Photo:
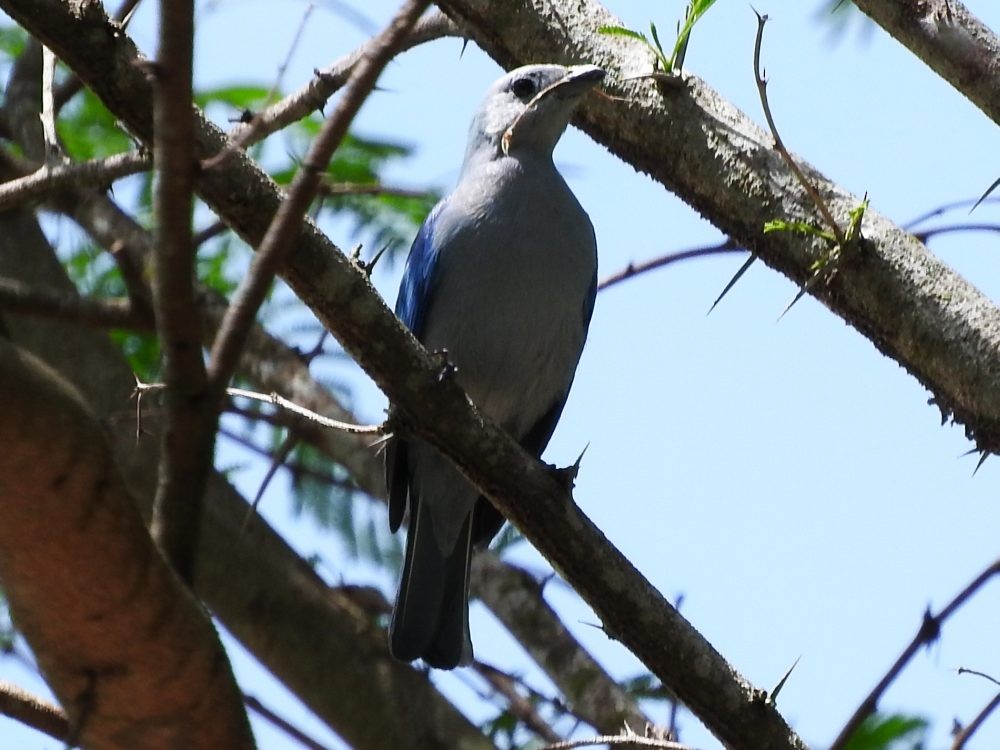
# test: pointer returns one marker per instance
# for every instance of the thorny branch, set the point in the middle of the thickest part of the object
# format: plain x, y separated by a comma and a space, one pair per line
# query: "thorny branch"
928, 632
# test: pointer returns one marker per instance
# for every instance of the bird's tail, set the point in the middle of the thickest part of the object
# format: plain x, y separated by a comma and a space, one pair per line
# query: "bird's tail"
431, 618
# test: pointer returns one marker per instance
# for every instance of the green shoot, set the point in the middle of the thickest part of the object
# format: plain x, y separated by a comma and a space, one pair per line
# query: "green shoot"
672, 64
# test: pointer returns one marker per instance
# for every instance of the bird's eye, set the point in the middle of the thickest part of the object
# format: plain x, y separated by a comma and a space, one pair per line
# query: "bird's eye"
523, 88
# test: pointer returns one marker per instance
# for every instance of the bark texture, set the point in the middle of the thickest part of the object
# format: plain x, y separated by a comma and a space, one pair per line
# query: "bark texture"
134, 660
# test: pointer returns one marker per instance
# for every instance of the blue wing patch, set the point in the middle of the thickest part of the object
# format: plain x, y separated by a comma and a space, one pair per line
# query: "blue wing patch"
419, 275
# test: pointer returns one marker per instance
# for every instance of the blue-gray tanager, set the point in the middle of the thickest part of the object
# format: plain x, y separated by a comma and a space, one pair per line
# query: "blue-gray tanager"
502, 275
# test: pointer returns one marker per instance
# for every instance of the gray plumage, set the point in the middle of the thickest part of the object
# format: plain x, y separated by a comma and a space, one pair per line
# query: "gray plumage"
502, 275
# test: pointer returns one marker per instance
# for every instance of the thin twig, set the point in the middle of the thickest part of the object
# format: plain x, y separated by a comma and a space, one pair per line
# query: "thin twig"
280, 401
977, 673
281, 723
295, 468
930, 629
279, 237
517, 704
354, 188
32, 711
779, 144
634, 269
973, 726
627, 739
278, 459
314, 95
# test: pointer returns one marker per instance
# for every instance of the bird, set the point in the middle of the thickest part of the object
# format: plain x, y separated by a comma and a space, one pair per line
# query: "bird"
502, 276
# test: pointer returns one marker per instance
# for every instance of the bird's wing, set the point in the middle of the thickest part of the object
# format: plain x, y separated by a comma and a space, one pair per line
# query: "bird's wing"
420, 275
411, 307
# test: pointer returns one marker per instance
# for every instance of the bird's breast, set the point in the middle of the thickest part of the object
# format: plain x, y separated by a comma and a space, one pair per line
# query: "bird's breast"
509, 302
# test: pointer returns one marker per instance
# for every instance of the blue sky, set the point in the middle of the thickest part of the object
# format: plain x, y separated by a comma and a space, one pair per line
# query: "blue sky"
785, 477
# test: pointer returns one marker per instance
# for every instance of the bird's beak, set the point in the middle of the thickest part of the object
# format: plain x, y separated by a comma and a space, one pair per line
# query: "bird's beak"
578, 80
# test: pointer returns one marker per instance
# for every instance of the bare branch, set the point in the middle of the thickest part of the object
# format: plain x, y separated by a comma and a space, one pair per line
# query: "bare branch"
963, 737
285, 226
284, 403
635, 269
283, 724
16, 296
950, 40
32, 711
517, 704
628, 739
314, 95
96, 173
761, 81
928, 632
515, 598
191, 407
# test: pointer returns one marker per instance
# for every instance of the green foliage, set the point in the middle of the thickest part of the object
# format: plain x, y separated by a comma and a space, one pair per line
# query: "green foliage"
323, 490
798, 227
12, 42
240, 97
390, 218
672, 64
889, 732
88, 130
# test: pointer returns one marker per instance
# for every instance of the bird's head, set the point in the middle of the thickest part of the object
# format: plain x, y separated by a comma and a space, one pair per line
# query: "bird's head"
530, 107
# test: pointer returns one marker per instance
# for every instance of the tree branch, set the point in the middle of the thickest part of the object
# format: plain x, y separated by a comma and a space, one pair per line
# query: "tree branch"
315, 94
48, 179
278, 240
515, 598
134, 657
32, 711
950, 40
927, 633
16, 296
192, 408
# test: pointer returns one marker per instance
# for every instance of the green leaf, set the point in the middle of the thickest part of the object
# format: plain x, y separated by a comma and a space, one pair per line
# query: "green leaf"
12, 41
622, 31
89, 130
237, 96
798, 227
695, 11
889, 732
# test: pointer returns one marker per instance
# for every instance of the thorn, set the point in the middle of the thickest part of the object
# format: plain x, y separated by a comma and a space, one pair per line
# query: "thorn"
370, 266
985, 195
800, 295
732, 282
781, 682
447, 368
982, 460
566, 476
